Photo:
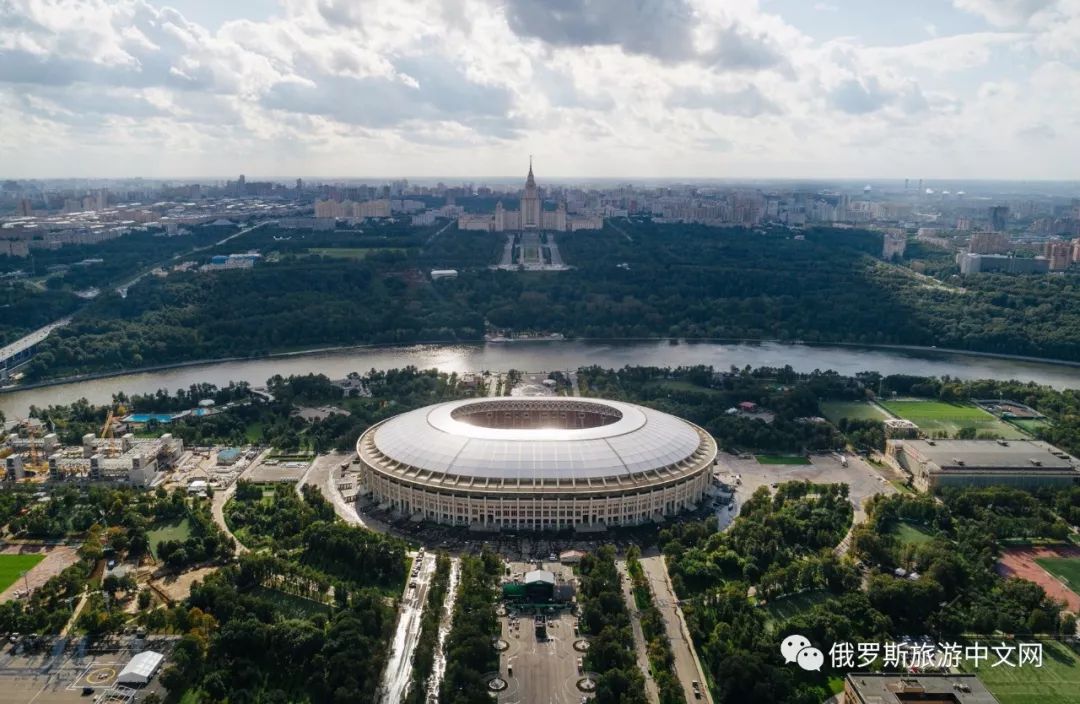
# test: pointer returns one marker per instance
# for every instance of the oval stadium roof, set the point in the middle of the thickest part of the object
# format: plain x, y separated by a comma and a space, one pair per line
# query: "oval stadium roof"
434, 438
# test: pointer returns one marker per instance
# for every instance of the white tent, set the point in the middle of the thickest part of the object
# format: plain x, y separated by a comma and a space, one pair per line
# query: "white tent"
140, 668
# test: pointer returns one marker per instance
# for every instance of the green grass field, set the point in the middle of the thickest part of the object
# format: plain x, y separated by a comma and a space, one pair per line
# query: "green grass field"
681, 385
12, 567
177, 530
350, 252
292, 606
1031, 425
1066, 569
854, 410
781, 610
1056, 682
936, 416
781, 459
910, 534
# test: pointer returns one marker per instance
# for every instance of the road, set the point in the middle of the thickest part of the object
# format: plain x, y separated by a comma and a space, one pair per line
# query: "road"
439, 232
122, 289
556, 256
83, 598
639, 636
687, 666
544, 671
398, 671
324, 474
222, 496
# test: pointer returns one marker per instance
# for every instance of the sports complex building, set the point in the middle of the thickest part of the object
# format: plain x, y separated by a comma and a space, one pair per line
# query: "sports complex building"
536, 464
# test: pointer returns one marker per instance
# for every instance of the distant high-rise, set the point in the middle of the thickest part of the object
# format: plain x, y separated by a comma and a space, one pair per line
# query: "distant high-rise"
989, 243
1059, 254
299, 184
999, 218
25, 209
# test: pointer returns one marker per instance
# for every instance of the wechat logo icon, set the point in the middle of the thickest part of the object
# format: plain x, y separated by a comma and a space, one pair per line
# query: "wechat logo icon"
797, 649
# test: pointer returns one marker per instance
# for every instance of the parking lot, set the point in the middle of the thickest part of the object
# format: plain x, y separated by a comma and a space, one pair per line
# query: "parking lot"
540, 670
61, 671
746, 475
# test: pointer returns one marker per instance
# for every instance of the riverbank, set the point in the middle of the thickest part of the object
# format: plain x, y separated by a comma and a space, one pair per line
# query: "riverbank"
337, 362
315, 351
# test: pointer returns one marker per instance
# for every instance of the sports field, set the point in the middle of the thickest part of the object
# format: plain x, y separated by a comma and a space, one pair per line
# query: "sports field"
12, 567
160, 532
937, 416
1028, 563
910, 534
782, 609
1056, 682
853, 410
1067, 569
781, 459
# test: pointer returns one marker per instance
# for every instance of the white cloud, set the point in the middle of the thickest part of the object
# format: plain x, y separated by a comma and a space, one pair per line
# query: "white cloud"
594, 87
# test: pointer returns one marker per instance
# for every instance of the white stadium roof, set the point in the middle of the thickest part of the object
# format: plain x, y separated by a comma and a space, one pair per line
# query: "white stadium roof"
433, 439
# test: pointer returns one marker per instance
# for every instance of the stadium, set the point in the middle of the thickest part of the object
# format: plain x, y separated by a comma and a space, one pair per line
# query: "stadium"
536, 464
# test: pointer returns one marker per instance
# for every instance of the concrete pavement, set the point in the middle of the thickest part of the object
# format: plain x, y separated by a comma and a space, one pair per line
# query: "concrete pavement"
687, 666
398, 673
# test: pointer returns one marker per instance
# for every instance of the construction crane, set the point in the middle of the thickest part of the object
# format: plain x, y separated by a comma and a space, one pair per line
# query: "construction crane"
34, 460
115, 414
107, 429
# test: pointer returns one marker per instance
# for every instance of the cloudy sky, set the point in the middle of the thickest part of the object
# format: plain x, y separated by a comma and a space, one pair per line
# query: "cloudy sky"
592, 88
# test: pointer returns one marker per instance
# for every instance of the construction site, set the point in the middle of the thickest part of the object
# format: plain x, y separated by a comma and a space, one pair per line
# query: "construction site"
30, 454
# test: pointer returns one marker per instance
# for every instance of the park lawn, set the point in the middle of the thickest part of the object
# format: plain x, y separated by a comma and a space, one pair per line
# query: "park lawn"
780, 610
1056, 682
852, 410
253, 433
1066, 569
291, 605
782, 459
910, 534
683, 385
12, 567
350, 252
937, 416
160, 532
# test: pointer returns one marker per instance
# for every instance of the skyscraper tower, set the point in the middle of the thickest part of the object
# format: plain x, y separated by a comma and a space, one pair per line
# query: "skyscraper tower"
530, 203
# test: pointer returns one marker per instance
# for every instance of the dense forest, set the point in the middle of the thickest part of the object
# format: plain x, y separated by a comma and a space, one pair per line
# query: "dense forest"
781, 545
632, 279
469, 655
23, 309
606, 620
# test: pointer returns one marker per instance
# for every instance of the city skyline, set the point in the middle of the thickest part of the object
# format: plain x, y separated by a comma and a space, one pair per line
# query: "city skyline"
776, 89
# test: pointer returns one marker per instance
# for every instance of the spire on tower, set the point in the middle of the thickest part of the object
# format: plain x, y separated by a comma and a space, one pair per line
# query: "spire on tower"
530, 180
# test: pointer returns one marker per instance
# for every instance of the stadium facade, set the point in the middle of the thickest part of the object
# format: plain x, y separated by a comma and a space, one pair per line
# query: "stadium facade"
536, 464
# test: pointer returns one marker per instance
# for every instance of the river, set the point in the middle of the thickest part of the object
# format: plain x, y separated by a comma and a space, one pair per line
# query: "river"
550, 356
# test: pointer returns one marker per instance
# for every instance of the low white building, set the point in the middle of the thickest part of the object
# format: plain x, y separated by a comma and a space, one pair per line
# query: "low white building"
141, 668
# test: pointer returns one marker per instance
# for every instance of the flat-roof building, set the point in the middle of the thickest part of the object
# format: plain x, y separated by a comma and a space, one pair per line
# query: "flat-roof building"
877, 688
1020, 463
